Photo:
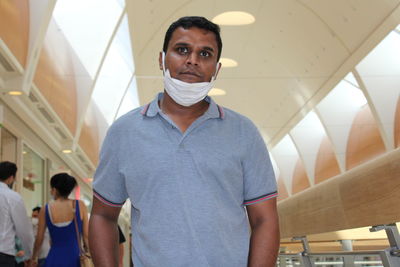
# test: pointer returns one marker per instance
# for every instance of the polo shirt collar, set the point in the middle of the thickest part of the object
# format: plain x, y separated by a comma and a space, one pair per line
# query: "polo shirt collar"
213, 111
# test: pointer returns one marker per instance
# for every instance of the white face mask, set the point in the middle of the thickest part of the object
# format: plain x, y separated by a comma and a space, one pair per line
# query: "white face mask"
183, 93
35, 221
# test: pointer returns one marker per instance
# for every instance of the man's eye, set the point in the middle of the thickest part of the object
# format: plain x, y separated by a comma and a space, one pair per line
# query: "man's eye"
182, 50
205, 54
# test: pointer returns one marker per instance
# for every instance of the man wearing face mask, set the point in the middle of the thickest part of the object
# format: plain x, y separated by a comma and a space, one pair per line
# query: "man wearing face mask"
190, 167
13, 218
44, 250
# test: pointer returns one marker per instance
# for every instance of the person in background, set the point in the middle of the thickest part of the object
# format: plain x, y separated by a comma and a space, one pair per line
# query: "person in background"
14, 221
44, 250
19, 253
122, 240
59, 217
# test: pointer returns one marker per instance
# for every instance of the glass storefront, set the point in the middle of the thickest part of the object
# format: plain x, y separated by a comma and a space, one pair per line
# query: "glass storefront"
8, 146
33, 178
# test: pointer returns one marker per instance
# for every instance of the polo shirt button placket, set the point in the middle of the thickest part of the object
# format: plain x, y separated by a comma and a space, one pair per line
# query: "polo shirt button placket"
181, 146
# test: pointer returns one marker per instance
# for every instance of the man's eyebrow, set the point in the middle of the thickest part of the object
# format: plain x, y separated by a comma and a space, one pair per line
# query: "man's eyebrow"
181, 44
208, 48
186, 44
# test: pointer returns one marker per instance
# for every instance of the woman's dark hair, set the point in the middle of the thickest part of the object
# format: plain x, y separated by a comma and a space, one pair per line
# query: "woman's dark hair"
193, 21
64, 183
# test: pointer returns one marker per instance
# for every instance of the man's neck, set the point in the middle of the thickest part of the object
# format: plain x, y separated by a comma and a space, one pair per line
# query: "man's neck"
7, 181
182, 116
170, 107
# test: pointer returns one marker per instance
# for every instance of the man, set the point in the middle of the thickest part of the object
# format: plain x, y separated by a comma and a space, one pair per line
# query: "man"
44, 250
13, 220
189, 167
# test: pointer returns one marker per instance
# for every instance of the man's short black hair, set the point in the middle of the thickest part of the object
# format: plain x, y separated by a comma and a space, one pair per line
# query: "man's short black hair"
194, 21
36, 209
7, 169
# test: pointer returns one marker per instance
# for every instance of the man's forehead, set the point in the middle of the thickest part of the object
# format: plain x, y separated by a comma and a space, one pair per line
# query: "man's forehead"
181, 33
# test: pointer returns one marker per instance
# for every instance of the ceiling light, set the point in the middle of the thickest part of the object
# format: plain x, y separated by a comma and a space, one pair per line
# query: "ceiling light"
216, 92
228, 63
15, 93
233, 18
67, 151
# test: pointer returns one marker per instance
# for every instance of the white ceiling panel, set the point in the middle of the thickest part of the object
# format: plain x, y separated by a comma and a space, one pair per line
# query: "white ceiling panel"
286, 156
285, 57
380, 73
307, 135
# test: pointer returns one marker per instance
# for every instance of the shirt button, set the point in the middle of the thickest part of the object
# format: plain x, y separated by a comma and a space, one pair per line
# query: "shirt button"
181, 146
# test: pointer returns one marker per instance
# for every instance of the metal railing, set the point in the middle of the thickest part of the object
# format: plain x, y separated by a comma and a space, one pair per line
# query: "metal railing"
389, 257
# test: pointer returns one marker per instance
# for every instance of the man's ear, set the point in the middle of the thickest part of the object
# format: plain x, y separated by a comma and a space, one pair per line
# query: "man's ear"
160, 60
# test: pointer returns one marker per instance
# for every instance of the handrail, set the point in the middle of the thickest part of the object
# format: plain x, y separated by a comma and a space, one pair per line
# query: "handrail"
363, 196
335, 253
389, 257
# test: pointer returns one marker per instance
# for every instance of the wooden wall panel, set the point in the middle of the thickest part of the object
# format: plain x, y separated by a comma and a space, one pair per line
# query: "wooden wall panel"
282, 192
55, 77
326, 165
397, 125
14, 27
365, 141
366, 195
300, 179
89, 142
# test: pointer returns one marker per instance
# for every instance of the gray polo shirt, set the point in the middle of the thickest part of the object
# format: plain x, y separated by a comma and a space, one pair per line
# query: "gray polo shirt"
188, 190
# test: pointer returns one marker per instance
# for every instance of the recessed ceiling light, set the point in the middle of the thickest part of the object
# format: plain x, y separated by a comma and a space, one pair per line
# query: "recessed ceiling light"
228, 63
233, 18
15, 93
67, 151
216, 92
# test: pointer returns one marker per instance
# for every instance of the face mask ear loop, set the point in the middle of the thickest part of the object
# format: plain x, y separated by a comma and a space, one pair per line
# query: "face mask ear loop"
214, 77
163, 61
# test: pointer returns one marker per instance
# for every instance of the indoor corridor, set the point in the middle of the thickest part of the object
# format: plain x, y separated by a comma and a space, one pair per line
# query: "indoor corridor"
320, 80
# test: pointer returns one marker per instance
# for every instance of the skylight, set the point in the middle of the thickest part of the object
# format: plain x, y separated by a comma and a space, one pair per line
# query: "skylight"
88, 26
112, 82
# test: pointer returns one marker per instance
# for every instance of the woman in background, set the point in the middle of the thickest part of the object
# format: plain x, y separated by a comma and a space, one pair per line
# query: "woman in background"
58, 217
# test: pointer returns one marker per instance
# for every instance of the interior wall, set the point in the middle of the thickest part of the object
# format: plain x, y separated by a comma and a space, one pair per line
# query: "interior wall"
14, 27
25, 134
282, 192
89, 142
397, 125
300, 178
326, 165
365, 141
55, 76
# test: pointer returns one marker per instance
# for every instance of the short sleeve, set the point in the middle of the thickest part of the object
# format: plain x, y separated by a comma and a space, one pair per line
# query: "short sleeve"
109, 183
259, 177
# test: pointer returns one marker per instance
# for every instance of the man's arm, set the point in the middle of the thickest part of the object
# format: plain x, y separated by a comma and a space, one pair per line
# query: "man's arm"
23, 226
103, 234
265, 239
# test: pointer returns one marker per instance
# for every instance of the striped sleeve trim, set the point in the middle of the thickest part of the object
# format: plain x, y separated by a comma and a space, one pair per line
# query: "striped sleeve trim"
261, 198
106, 201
